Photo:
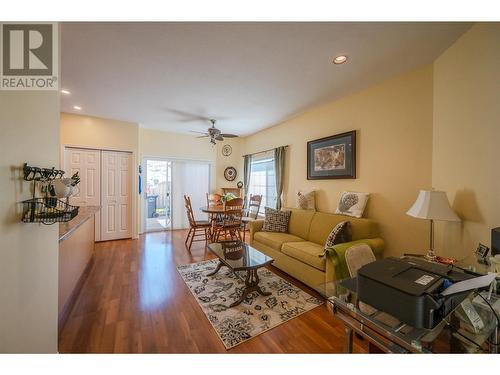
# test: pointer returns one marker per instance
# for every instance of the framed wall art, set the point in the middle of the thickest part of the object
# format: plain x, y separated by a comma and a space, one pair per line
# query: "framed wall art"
332, 157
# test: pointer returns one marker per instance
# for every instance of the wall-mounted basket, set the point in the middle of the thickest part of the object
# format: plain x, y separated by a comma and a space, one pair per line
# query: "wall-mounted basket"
48, 210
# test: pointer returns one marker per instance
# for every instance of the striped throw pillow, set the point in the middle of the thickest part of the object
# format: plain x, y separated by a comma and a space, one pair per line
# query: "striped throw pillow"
340, 233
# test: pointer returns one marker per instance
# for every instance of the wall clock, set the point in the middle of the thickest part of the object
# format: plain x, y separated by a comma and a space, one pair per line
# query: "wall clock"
227, 150
230, 173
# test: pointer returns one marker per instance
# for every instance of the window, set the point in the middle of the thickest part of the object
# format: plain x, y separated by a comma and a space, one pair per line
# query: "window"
263, 179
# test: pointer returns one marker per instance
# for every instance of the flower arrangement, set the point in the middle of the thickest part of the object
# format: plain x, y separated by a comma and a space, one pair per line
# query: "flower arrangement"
227, 197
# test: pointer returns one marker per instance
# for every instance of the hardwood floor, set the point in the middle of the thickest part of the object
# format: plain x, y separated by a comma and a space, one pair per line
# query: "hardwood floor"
134, 301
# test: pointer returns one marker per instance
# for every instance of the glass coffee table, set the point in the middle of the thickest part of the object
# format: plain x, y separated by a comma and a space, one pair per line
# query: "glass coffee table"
386, 333
240, 257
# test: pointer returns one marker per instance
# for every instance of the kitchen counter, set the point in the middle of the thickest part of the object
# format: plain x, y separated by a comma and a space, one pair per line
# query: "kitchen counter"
76, 252
84, 213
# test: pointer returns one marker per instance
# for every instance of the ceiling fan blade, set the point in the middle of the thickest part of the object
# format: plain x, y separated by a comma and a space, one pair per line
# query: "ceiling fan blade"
229, 135
219, 137
187, 116
194, 131
202, 136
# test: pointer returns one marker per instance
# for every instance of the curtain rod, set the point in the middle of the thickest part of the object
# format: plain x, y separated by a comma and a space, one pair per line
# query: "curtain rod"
261, 152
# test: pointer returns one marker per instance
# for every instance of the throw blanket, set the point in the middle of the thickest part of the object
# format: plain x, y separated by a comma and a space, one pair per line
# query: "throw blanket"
337, 254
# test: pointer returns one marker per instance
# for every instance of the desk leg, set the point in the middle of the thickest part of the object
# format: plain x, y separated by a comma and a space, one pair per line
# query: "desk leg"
494, 339
349, 337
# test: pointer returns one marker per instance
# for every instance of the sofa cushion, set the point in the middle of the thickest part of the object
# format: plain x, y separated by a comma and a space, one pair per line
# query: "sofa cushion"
307, 252
299, 222
323, 223
275, 239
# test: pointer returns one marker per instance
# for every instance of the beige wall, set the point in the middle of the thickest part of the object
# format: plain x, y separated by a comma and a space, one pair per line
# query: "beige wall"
156, 143
466, 138
29, 123
394, 157
234, 160
88, 131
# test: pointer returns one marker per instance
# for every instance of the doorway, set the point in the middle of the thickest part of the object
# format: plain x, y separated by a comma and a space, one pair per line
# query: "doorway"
165, 183
158, 195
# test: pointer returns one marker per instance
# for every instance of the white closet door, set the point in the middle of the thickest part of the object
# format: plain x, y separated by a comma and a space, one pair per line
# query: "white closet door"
116, 199
88, 165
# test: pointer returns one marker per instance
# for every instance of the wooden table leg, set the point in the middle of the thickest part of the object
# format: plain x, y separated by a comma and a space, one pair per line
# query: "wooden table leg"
212, 218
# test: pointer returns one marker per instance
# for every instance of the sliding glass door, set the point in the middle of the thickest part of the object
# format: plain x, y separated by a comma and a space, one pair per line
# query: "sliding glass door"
190, 178
166, 183
158, 195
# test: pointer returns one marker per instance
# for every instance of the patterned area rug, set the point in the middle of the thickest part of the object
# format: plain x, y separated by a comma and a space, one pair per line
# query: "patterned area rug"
256, 314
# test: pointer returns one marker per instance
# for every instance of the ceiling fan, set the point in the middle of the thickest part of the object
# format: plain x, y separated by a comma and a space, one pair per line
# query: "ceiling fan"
214, 133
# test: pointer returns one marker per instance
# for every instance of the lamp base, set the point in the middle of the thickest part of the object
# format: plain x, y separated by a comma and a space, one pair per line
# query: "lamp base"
430, 255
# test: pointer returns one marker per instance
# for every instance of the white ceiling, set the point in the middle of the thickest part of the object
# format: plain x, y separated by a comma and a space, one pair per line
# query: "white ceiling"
249, 76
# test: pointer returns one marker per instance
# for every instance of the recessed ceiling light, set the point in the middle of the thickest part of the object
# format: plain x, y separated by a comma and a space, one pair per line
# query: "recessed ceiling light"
65, 92
78, 108
340, 59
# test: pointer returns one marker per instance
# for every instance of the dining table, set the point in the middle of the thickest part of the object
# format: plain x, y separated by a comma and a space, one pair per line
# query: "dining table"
214, 211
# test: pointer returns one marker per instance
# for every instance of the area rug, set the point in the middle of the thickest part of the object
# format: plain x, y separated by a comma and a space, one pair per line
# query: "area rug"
256, 314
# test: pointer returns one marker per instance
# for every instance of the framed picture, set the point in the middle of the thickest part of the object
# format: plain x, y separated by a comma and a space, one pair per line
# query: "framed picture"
332, 157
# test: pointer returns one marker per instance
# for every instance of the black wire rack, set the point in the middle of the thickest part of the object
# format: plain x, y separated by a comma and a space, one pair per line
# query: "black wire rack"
46, 210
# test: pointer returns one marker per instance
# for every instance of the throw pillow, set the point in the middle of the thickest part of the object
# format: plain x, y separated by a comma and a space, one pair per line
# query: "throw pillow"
340, 233
352, 204
306, 201
276, 220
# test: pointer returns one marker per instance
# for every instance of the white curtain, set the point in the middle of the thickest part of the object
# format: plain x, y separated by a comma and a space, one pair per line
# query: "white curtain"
189, 178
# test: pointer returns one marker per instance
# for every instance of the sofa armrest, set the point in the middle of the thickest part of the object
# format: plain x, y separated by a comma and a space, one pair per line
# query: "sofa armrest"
336, 267
254, 227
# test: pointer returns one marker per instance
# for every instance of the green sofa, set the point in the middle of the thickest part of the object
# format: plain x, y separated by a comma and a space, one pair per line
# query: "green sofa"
298, 252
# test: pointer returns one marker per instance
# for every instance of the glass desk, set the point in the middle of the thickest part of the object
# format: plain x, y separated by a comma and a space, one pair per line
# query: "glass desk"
453, 335
471, 264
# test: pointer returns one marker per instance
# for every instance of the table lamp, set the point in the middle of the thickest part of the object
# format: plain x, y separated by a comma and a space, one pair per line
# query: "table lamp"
432, 205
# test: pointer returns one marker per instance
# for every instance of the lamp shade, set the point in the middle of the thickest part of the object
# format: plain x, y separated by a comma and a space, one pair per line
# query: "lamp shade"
432, 204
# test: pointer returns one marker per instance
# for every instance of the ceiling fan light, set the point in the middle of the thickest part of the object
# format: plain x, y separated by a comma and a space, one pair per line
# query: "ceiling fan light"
340, 59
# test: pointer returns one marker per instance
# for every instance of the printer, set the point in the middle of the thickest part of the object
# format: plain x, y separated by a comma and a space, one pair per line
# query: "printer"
410, 289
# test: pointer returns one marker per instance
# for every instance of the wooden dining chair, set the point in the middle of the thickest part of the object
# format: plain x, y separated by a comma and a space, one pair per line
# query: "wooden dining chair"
251, 213
214, 199
198, 228
230, 223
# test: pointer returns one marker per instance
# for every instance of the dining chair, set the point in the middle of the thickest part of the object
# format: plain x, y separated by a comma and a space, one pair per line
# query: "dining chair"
230, 222
251, 213
356, 257
197, 228
214, 199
